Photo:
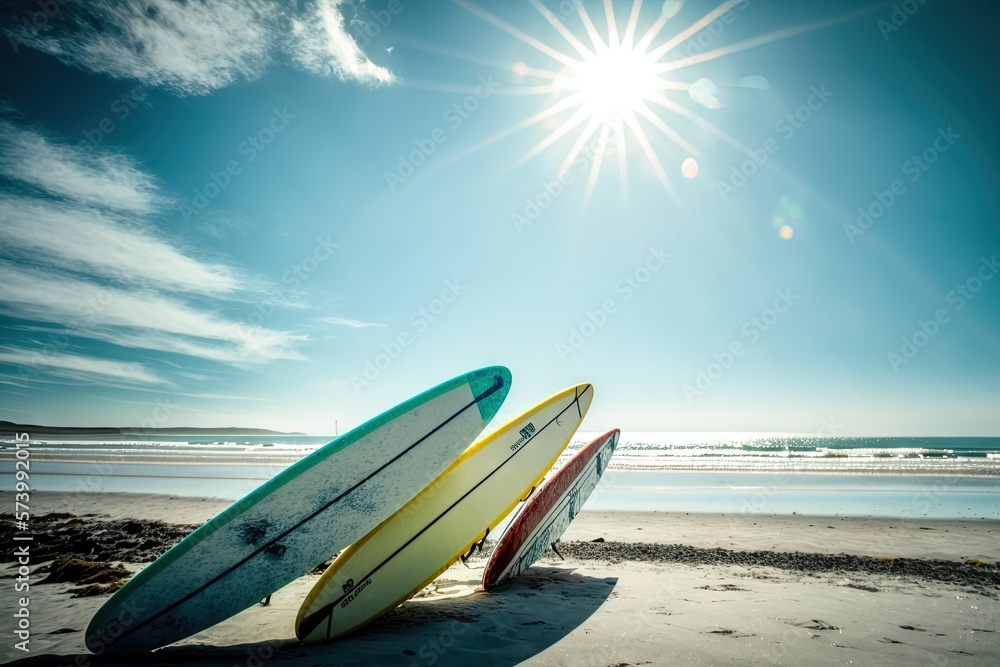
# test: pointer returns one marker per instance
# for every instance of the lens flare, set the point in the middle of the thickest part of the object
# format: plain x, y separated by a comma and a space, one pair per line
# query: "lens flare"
689, 168
755, 81
705, 92
670, 8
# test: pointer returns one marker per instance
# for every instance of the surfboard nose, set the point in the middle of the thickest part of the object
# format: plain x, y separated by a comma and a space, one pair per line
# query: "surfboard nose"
584, 397
490, 386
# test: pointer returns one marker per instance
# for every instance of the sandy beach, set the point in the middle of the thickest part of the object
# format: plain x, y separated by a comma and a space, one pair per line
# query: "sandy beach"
633, 589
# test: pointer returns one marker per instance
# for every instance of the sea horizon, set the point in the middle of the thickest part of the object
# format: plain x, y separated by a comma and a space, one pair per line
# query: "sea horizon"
705, 471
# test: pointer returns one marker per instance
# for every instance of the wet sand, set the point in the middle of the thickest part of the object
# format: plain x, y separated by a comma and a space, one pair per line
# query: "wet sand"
634, 588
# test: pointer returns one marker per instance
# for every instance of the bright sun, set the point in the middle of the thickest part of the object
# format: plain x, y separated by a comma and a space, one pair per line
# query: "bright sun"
614, 83
616, 91
609, 89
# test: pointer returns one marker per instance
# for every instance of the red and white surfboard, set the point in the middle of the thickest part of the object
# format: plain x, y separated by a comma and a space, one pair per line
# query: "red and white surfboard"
548, 512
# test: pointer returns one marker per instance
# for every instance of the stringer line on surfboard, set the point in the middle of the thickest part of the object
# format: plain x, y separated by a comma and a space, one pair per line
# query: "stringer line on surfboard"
324, 613
496, 386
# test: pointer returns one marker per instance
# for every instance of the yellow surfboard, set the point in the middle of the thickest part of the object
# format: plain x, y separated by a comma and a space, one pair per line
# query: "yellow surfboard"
412, 547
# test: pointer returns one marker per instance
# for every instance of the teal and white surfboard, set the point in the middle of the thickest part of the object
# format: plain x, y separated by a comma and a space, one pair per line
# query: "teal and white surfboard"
300, 518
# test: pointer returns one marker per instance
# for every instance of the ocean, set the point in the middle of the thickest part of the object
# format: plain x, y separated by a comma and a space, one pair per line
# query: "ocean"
738, 473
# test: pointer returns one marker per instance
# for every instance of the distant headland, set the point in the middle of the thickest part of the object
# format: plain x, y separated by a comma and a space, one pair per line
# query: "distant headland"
8, 429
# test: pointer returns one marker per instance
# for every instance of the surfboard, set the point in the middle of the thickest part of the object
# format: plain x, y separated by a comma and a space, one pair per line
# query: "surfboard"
299, 518
547, 514
420, 541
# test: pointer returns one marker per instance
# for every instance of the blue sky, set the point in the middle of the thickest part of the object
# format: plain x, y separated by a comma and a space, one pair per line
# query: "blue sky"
250, 215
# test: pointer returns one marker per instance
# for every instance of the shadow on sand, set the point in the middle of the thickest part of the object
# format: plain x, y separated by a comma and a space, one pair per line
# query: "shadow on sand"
504, 627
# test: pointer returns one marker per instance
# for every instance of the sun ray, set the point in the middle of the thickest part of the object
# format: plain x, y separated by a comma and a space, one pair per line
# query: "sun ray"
439, 87
735, 143
456, 54
693, 29
667, 84
615, 88
511, 30
553, 110
580, 47
651, 34
701, 121
578, 146
644, 144
541, 73
622, 161
438, 49
670, 132
633, 21
595, 166
580, 116
760, 41
609, 14
588, 25
540, 89
739, 146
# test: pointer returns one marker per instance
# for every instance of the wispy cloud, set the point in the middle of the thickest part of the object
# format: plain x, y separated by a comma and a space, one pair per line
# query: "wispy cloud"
92, 177
138, 319
80, 367
86, 209
220, 226
256, 347
348, 322
322, 45
86, 239
79, 251
193, 48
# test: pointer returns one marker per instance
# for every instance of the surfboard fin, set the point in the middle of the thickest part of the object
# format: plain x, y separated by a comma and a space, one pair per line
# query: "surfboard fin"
553, 545
476, 546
